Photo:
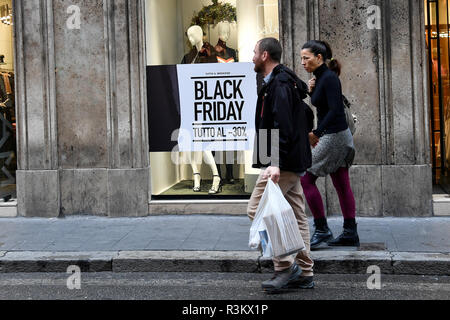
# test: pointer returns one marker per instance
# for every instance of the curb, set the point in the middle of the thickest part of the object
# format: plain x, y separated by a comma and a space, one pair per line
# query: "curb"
326, 262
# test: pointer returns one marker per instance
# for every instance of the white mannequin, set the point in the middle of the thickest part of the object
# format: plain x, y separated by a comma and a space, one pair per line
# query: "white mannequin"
196, 162
195, 35
225, 54
224, 31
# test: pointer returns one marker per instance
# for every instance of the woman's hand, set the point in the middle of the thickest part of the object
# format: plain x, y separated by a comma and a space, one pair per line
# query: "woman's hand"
313, 139
312, 85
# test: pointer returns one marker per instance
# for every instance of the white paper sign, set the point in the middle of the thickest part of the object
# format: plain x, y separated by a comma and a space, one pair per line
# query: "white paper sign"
218, 103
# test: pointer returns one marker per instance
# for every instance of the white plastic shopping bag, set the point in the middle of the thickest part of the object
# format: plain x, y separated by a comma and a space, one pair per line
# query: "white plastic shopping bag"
275, 227
258, 232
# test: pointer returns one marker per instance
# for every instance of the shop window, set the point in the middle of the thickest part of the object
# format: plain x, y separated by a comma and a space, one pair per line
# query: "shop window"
8, 162
437, 21
225, 32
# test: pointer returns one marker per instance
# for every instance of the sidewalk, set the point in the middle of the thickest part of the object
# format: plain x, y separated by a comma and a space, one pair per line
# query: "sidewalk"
211, 244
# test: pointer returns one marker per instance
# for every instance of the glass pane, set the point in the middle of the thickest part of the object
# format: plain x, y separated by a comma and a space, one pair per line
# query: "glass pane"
229, 32
435, 89
251, 20
445, 79
433, 22
437, 150
8, 150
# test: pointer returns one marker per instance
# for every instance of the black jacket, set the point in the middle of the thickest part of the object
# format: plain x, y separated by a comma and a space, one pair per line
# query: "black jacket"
280, 106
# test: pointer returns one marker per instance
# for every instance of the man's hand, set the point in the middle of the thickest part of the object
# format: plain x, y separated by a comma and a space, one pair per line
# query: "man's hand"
272, 173
313, 139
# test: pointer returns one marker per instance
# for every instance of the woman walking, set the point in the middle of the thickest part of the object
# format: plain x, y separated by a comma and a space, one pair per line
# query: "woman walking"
333, 148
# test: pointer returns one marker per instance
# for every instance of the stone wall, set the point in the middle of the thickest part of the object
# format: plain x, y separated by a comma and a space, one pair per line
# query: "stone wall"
81, 103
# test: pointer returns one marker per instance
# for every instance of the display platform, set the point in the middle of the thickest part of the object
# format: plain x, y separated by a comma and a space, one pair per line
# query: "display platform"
183, 190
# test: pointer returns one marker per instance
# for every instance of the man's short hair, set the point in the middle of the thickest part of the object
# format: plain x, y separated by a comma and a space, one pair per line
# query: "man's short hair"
273, 48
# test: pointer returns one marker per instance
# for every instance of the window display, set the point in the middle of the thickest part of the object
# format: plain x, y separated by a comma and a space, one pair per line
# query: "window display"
201, 32
437, 17
200, 52
8, 162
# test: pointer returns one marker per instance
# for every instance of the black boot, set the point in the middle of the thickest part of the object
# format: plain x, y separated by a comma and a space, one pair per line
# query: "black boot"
349, 238
321, 234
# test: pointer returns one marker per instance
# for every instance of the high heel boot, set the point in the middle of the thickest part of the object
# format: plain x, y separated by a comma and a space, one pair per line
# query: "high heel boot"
349, 238
321, 234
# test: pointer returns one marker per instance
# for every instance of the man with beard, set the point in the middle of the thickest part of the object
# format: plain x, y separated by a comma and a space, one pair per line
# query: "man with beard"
283, 116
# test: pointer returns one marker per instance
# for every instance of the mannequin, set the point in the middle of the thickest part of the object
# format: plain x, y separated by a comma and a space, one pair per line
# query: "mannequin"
196, 162
225, 54
202, 53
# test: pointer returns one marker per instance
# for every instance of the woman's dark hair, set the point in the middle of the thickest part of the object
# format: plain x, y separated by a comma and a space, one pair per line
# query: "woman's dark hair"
324, 49
335, 66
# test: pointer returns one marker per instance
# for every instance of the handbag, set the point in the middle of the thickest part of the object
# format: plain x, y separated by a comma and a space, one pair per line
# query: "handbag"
350, 117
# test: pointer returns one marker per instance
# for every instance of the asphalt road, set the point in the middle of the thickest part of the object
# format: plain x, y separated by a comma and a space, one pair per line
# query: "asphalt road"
212, 286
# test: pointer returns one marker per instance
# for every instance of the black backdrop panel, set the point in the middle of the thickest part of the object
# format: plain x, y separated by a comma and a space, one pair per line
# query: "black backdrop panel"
163, 107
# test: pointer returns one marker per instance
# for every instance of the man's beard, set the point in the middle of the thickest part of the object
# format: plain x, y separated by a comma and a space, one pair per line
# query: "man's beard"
258, 68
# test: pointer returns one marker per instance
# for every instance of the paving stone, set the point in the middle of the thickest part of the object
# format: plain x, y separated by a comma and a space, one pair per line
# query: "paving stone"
199, 244
164, 245
233, 244
100, 246
32, 246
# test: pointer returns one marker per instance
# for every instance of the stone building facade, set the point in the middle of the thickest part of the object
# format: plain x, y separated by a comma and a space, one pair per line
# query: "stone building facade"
83, 147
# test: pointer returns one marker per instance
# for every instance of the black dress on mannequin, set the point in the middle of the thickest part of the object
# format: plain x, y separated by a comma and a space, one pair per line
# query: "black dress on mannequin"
225, 53
206, 55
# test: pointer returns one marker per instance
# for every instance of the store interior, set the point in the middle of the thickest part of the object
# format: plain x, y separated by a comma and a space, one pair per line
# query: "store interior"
437, 21
234, 35
8, 149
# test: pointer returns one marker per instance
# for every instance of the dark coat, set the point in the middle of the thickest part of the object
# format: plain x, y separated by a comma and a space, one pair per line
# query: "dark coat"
327, 98
280, 106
